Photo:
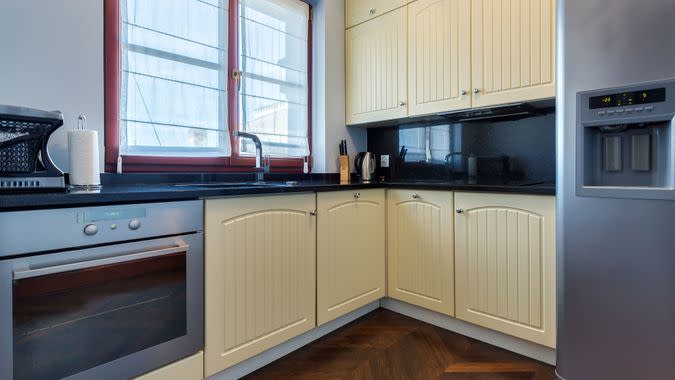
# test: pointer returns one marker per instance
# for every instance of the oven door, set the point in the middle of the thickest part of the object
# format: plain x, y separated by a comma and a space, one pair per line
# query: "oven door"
111, 312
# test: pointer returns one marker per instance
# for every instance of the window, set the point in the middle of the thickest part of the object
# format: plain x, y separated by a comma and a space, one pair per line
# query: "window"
181, 75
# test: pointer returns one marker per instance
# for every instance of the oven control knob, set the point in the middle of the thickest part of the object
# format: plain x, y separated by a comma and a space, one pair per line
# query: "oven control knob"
134, 224
90, 229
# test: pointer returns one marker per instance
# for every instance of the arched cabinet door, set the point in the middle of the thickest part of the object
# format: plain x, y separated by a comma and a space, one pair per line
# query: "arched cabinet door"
260, 273
420, 248
350, 251
505, 263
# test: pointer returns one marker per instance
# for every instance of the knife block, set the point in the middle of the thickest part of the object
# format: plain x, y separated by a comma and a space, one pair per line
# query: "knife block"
344, 169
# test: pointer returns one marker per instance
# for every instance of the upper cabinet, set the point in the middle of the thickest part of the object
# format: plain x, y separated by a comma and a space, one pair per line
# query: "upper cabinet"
358, 11
376, 69
439, 56
435, 56
513, 45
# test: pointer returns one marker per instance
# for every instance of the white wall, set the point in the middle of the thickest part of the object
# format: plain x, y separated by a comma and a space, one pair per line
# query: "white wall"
51, 57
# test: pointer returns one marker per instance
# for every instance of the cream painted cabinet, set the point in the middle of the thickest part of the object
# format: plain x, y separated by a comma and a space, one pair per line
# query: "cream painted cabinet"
376, 69
190, 368
439, 56
513, 47
350, 251
358, 11
260, 275
420, 249
505, 263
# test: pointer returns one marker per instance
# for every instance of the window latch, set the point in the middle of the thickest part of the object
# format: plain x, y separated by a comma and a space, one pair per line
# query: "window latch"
237, 75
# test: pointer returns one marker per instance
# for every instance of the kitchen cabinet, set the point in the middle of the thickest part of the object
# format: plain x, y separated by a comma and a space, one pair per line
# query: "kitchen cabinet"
350, 251
513, 48
439, 56
376, 69
358, 11
420, 248
260, 273
505, 263
190, 368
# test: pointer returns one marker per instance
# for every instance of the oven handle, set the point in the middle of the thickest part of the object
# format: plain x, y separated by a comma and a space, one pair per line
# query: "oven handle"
29, 273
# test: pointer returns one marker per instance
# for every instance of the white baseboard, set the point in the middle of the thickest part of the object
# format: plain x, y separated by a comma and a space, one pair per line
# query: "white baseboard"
244, 368
507, 342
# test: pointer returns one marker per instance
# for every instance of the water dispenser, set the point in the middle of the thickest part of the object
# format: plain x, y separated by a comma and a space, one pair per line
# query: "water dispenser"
626, 142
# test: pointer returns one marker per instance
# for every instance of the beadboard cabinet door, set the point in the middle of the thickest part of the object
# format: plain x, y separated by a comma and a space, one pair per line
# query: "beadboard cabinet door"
505, 263
358, 11
350, 251
376, 69
439, 56
260, 268
420, 250
513, 50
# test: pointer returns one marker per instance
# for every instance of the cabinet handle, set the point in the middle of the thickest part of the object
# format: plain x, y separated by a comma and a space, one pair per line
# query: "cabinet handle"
313, 213
476, 90
463, 92
401, 103
357, 195
416, 196
459, 210
372, 11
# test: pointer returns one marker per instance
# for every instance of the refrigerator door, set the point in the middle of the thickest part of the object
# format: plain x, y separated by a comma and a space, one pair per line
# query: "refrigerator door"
616, 307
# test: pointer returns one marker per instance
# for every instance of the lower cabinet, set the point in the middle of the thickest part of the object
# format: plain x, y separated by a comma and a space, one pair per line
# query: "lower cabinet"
350, 251
420, 250
505, 263
260, 275
190, 368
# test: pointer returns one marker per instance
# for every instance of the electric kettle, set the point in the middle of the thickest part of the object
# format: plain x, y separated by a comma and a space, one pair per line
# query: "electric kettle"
364, 162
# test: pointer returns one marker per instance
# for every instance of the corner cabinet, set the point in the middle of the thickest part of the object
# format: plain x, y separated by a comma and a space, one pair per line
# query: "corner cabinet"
439, 56
260, 273
376, 69
350, 251
505, 263
420, 249
513, 46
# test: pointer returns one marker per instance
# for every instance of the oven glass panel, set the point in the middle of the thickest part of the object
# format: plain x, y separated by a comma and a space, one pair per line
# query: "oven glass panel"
69, 322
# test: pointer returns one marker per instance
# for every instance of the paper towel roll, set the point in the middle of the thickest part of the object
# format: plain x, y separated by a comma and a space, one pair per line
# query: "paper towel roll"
83, 158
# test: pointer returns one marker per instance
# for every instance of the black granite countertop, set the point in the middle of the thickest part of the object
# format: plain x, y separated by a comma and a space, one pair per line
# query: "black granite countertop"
121, 192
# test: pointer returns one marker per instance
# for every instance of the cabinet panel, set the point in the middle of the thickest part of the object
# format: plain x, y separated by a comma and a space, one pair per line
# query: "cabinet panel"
505, 256
513, 50
439, 64
358, 11
420, 249
376, 69
190, 368
260, 275
350, 251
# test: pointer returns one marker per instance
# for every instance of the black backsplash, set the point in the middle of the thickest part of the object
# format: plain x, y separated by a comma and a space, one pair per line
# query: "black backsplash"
513, 150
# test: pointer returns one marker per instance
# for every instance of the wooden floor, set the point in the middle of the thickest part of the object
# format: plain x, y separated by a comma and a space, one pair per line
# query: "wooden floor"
384, 345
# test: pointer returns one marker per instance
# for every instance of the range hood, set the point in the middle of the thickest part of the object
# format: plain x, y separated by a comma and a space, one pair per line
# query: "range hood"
513, 111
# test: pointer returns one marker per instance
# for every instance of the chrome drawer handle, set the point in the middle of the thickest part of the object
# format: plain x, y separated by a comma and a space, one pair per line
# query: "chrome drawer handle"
459, 210
416, 196
357, 195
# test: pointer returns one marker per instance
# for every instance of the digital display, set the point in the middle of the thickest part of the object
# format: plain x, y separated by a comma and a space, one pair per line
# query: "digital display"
623, 99
99, 215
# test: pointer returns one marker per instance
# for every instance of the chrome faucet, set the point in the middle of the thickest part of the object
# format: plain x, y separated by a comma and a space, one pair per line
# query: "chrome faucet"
262, 163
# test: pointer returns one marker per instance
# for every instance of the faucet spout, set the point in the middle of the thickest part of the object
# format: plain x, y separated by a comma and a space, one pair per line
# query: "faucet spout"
260, 174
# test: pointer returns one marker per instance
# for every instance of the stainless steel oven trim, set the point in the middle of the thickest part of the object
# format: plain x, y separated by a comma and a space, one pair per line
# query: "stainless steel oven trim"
145, 360
29, 273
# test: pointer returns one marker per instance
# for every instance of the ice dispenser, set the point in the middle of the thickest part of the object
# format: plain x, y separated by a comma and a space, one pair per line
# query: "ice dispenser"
626, 142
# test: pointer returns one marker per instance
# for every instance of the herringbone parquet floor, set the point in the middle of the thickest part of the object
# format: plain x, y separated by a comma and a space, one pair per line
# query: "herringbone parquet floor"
384, 345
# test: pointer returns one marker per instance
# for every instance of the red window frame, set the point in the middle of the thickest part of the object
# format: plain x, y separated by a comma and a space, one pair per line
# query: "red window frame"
234, 163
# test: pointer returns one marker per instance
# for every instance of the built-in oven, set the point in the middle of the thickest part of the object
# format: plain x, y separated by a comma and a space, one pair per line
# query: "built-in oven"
106, 292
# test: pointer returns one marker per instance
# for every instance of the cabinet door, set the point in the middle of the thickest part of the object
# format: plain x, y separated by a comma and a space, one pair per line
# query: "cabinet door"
358, 11
260, 275
420, 250
439, 64
513, 50
350, 251
505, 256
376, 69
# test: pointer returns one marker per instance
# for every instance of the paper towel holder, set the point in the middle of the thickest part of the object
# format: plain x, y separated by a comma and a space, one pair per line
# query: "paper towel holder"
82, 126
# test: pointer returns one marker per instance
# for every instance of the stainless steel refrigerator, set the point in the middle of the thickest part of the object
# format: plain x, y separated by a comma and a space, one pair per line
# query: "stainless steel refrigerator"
616, 193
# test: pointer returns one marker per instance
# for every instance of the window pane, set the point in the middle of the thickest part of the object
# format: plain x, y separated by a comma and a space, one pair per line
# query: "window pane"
174, 78
274, 89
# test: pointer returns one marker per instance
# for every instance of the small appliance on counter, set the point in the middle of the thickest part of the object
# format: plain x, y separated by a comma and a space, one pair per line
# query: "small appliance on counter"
364, 162
24, 159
